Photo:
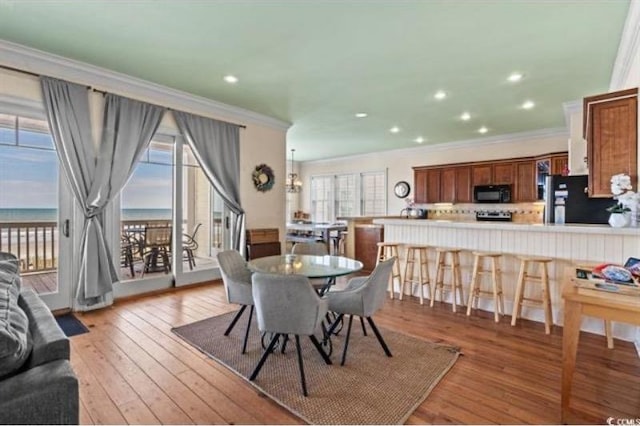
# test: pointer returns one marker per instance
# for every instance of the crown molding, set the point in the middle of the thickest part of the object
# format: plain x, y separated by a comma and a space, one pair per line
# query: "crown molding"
475, 143
569, 108
38, 62
628, 49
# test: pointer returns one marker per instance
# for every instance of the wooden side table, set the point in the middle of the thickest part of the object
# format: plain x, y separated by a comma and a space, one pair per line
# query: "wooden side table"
600, 304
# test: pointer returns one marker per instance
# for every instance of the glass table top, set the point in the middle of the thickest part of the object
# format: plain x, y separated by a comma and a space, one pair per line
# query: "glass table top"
309, 266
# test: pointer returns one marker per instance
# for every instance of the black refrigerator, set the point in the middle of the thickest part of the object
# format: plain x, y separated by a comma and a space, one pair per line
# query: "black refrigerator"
567, 201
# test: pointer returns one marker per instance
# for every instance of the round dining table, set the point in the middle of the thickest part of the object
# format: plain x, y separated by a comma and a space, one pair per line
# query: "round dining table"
328, 267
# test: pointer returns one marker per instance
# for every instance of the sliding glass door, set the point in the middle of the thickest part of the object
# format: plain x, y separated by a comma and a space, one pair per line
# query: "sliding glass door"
172, 223
35, 208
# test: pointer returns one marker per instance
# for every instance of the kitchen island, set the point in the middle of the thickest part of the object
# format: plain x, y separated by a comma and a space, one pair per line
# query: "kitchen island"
566, 244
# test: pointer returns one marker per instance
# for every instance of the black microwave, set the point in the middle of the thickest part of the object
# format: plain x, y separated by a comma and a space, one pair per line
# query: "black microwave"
492, 194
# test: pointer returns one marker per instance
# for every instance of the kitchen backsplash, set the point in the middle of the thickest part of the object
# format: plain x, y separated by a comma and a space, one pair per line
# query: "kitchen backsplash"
522, 212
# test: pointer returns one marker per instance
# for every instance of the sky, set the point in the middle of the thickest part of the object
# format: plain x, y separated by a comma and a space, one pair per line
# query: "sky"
28, 177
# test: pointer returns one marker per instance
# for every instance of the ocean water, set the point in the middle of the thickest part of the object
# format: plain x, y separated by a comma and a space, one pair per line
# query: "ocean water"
44, 215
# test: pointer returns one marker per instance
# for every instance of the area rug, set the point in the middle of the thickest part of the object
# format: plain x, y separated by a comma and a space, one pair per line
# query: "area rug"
70, 325
370, 389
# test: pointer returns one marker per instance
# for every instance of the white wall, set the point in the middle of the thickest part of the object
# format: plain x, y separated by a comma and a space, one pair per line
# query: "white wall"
399, 163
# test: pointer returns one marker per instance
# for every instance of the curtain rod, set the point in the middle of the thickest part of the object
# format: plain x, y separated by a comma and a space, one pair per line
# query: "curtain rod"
242, 126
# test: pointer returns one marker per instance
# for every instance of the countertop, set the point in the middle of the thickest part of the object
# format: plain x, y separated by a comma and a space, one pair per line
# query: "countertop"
511, 226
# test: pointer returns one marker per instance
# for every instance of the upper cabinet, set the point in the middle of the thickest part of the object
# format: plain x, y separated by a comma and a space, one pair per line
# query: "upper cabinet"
454, 183
610, 128
427, 186
481, 174
503, 173
525, 188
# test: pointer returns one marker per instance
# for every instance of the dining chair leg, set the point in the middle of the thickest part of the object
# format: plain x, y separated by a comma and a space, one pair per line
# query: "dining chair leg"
264, 356
335, 324
302, 378
235, 320
246, 333
317, 345
379, 336
285, 340
364, 329
346, 341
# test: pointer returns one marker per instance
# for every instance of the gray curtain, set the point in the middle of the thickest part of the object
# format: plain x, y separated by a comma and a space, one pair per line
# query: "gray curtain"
216, 146
95, 179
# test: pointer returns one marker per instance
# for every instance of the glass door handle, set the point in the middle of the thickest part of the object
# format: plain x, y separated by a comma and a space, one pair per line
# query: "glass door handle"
65, 228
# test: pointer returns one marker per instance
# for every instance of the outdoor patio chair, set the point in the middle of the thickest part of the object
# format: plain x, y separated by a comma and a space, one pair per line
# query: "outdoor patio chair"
287, 304
157, 247
190, 245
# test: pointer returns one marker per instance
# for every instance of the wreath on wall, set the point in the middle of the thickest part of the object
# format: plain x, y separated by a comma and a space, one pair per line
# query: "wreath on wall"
263, 178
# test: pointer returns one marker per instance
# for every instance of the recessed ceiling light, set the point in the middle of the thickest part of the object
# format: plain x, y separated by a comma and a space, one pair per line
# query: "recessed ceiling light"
528, 105
394, 129
419, 139
465, 116
361, 114
483, 130
440, 95
514, 77
231, 79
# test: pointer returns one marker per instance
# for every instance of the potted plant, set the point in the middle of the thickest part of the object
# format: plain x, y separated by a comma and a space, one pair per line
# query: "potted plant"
627, 201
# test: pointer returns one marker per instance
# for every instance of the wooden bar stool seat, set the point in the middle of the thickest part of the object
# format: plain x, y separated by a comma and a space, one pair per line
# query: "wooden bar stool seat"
387, 251
454, 267
422, 278
543, 280
475, 291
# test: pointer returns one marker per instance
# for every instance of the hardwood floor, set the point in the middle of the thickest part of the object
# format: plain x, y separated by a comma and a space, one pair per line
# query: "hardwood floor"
133, 369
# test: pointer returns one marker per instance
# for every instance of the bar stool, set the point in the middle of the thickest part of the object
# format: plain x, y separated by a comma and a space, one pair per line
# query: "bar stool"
475, 292
387, 251
454, 267
423, 270
543, 279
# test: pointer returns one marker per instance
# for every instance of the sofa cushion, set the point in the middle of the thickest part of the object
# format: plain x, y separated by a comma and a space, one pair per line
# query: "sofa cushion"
15, 341
49, 341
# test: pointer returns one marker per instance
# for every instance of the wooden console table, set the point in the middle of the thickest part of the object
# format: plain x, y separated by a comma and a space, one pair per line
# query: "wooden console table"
600, 304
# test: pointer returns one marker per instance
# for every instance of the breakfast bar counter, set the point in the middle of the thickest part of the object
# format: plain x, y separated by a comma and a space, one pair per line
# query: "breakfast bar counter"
566, 244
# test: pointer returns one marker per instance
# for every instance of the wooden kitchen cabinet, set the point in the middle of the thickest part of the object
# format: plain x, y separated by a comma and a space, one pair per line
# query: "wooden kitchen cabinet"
463, 185
426, 185
610, 128
481, 174
525, 185
433, 185
454, 183
366, 249
558, 164
448, 185
420, 186
503, 174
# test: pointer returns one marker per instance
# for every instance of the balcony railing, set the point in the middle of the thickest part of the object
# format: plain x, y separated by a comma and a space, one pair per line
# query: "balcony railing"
35, 244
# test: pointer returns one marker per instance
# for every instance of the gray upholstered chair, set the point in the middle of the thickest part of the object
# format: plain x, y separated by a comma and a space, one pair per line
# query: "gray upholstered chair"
362, 297
287, 304
237, 284
313, 249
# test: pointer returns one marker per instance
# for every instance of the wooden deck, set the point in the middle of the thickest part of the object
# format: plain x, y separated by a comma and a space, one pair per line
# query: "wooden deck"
46, 282
133, 369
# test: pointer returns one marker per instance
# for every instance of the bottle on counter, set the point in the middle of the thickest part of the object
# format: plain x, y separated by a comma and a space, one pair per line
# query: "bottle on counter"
559, 214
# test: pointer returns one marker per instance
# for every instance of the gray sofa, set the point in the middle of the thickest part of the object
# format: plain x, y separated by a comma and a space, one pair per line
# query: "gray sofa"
37, 383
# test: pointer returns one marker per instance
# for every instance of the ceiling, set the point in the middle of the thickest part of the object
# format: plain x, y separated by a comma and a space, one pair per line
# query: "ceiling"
316, 64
